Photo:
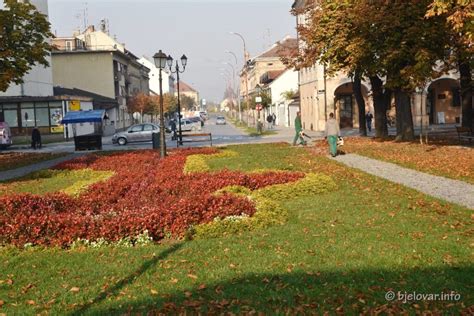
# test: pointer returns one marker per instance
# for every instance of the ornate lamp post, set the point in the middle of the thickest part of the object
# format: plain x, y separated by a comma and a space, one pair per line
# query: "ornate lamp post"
177, 71
160, 62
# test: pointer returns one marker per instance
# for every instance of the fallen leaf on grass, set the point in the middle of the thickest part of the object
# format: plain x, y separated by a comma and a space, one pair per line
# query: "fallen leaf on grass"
153, 292
74, 289
30, 302
174, 280
2, 303
202, 287
192, 276
188, 294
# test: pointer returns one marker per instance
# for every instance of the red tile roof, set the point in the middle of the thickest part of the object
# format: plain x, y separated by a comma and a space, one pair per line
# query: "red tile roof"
183, 86
286, 48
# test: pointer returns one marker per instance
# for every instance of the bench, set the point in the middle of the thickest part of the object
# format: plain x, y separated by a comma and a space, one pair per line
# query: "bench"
195, 137
464, 133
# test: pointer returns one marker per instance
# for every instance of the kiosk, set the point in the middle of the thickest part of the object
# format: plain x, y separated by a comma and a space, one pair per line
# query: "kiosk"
90, 141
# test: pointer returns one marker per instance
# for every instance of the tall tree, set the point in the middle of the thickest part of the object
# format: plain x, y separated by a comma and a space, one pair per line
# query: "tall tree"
377, 39
138, 103
459, 19
24, 34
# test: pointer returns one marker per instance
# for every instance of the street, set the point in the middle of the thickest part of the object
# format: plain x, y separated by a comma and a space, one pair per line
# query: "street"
222, 135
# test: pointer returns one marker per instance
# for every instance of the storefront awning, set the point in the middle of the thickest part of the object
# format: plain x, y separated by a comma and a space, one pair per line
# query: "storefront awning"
83, 116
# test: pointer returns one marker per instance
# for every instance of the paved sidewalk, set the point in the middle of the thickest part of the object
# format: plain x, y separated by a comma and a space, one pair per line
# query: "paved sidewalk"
23, 171
447, 189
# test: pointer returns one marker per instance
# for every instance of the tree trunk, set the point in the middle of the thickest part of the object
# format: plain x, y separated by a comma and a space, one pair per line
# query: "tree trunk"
466, 95
380, 107
405, 131
357, 87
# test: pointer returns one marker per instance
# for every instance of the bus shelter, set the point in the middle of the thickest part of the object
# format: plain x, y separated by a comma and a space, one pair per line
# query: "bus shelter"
89, 124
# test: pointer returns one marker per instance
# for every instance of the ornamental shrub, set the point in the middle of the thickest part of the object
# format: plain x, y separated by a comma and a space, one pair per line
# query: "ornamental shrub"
145, 193
312, 184
268, 209
198, 163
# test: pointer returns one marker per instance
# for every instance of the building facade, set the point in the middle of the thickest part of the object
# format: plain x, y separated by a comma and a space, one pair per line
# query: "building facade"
168, 83
437, 103
187, 90
95, 62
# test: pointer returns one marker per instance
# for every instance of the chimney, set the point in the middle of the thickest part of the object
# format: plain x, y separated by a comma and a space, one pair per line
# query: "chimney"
90, 29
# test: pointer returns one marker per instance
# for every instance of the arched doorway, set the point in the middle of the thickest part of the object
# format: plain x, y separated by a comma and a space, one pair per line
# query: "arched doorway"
443, 102
346, 106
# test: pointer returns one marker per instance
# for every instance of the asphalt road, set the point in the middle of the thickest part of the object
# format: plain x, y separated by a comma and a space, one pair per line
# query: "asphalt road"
221, 135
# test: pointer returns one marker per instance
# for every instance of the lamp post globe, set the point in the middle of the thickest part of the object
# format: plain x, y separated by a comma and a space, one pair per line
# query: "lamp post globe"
184, 61
161, 59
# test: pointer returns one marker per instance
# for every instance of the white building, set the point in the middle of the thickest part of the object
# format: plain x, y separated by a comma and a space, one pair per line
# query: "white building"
168, 79
287, 81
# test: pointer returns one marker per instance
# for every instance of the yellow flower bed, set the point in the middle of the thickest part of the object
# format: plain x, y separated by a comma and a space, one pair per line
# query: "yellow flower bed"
268, 206
198, 163
71, 182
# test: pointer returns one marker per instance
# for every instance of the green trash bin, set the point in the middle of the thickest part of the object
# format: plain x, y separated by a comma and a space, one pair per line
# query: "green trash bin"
156, 140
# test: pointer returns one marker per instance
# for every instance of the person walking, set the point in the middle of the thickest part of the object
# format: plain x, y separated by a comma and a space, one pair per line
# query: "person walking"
274, 119
36, 138
173, 129
269, 121
298, 130
332, 133
368, 119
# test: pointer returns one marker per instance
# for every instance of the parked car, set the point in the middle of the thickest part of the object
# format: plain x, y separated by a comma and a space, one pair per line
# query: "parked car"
137, 133
221, 120
189, 125
5, 135
198, 120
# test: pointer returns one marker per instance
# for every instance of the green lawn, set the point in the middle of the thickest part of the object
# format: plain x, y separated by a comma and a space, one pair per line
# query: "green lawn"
251, 131
339, 251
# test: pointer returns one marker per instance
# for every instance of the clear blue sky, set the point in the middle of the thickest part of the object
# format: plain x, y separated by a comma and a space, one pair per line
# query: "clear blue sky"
199, 29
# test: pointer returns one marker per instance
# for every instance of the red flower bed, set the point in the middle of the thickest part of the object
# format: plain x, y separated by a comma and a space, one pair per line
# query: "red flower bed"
146, 192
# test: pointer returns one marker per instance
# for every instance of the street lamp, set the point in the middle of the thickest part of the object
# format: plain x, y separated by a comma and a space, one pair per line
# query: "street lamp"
246, 73
177, 71
233, 54
234, 89
160, 62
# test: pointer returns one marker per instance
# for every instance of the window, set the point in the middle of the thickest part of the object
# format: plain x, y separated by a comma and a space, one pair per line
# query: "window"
27, 117
42, 117
69, 45
148, 128
11, 117
136, 129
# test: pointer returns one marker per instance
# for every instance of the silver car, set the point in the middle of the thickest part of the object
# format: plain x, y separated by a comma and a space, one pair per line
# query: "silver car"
220, 120
136, 133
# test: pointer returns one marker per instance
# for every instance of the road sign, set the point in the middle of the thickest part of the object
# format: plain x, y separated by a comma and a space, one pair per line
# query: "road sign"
258, 107
258, 99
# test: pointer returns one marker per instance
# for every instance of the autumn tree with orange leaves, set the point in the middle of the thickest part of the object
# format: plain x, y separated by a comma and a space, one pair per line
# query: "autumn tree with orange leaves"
391, 43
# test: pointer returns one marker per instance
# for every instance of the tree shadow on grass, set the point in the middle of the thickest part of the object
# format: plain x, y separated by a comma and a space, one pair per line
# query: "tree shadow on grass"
361, 292
114, 290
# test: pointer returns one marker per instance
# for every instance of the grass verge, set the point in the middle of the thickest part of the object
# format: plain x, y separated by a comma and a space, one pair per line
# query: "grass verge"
340, 251
453, 162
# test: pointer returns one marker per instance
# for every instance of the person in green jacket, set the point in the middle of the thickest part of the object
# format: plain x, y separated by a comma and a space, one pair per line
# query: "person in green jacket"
298, 129
332, 133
